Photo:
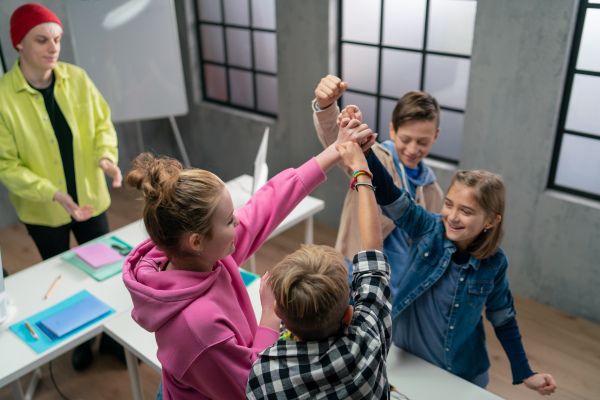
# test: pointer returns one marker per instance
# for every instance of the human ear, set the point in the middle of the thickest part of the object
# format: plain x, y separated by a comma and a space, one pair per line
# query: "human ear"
19, 47
195, 241
436, 136
276, 309
348, 315
493, 221
392, 132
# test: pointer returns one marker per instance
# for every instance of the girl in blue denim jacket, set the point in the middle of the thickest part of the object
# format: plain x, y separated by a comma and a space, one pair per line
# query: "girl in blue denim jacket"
455, 270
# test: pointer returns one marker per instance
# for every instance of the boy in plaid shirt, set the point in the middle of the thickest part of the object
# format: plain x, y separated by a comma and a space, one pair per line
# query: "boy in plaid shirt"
340, 353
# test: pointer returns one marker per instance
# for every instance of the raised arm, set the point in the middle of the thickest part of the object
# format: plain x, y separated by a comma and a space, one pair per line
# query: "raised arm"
368, 218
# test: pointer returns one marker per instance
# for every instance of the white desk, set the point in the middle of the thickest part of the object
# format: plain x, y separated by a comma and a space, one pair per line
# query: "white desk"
420, 380
27, 288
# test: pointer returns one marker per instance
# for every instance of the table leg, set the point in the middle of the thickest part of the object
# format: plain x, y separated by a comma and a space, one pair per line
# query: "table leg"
134, 375
18, 389
309, 230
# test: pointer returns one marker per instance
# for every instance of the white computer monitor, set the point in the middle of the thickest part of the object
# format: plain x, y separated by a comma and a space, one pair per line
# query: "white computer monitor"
261, 170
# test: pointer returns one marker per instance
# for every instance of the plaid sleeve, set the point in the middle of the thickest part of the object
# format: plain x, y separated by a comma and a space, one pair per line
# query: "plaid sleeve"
372, 296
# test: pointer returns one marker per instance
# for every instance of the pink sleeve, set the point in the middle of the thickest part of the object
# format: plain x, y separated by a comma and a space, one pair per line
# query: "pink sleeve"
222, 371
271, 204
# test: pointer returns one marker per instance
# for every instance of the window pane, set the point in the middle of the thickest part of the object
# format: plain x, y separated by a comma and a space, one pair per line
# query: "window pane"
451, 25
241, 87
212, 43
449, 141
360, 20
386, 109
360, 67
215, 82
238, 47
583, 115
579, 154
266, 90
401, 72
447, 79
404, 23
236, 12
209, 10
265, 51
263, 14
589, 51
365, 103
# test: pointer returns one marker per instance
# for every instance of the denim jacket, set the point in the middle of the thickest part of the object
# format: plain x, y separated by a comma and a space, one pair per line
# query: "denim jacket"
484, 283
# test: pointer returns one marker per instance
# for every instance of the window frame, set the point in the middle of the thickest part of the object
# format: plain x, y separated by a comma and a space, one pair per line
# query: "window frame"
253, 70
561, 130
424, 53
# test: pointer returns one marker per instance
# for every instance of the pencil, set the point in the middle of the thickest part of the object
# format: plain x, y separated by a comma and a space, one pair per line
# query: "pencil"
33, 334
52, 287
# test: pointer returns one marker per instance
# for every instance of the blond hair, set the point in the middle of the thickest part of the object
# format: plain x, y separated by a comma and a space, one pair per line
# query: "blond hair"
312, 292
177, 200
490, 193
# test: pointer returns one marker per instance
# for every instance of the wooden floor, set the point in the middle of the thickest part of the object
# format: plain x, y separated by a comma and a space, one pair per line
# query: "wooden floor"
565, 346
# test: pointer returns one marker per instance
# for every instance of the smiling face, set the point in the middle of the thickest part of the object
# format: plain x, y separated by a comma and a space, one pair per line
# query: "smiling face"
40, 47
413, 140
220, 245
464, 219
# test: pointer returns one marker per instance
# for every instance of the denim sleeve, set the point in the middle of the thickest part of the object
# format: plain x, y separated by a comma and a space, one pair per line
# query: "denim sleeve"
387, 192
500, 303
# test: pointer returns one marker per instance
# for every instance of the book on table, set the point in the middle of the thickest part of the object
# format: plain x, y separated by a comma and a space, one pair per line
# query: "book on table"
97, 255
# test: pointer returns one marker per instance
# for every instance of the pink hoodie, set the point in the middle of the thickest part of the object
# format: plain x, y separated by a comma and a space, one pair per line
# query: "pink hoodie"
204, 323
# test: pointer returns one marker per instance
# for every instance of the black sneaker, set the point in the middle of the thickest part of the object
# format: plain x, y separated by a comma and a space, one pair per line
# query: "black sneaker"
109, 346
82, 356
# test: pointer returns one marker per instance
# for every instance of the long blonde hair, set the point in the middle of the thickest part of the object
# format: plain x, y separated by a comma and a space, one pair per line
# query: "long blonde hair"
177, 200
490, 193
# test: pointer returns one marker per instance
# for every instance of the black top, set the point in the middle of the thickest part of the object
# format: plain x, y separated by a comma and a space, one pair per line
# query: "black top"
64, 137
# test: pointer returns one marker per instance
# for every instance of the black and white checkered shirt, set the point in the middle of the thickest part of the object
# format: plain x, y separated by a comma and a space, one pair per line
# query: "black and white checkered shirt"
351, 366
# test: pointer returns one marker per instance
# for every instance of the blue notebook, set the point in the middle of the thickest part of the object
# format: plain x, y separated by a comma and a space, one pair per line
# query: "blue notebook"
47, 339
75, 316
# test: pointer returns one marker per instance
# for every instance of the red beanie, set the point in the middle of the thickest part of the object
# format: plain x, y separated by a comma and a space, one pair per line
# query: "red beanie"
27, 17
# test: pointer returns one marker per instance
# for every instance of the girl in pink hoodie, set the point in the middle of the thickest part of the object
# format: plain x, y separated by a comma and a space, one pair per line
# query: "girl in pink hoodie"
184, 280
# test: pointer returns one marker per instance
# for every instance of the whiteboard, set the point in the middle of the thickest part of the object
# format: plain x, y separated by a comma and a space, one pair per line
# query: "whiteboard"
130, 49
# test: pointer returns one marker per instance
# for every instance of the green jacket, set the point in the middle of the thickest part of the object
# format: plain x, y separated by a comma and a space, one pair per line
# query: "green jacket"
30, 162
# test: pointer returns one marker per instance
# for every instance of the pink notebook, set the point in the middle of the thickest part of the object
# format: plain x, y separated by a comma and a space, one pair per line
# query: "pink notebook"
98, 255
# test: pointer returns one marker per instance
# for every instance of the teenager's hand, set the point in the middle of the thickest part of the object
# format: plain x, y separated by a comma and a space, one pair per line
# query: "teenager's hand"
543, 383
268, 317
329, 90
111, 170
357, 132
78, 213
351, 112
352, 156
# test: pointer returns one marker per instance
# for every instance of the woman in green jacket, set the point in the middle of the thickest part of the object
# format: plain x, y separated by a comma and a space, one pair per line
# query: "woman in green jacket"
56, 141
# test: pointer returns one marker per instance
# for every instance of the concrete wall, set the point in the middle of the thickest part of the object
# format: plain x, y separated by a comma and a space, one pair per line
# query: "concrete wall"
520, 53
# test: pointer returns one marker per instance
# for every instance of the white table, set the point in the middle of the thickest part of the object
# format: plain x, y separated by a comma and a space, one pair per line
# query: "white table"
26, 290
421, 380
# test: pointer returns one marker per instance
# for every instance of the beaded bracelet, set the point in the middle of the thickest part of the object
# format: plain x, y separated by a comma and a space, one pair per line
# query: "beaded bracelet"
364, 183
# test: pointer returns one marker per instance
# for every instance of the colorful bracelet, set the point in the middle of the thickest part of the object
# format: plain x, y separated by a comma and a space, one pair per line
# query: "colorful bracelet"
353, 183
364, 183
362, 171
